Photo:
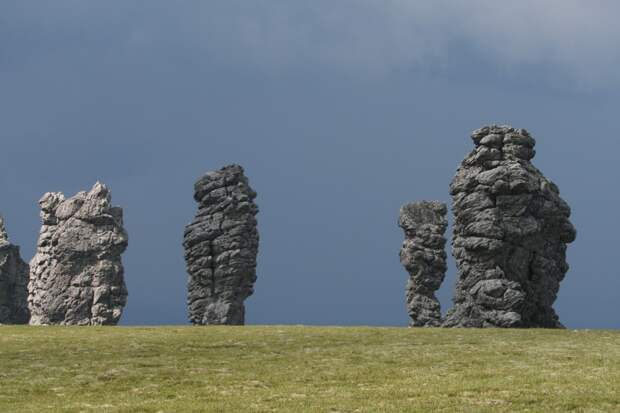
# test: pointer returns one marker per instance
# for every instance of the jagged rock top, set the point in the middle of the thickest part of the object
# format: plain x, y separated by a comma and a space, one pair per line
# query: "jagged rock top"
419, 218
92, 206
495, 143
215, 186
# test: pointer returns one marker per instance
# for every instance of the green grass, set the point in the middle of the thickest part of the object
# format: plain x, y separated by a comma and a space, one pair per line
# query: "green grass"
307, 369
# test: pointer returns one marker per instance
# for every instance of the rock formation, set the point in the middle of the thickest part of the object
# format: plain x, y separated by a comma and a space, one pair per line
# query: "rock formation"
511, 229
423, 256
76, 277
13, 282
221, 245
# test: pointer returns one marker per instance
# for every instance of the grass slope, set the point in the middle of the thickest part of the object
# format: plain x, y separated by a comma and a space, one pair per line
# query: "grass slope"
306, 369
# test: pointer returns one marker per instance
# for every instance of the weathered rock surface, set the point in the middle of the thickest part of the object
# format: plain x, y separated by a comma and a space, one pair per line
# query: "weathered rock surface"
511, 230
221, 246
76, 277
13, 282
423, 256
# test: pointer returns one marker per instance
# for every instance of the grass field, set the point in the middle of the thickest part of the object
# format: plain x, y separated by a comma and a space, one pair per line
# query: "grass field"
306, 369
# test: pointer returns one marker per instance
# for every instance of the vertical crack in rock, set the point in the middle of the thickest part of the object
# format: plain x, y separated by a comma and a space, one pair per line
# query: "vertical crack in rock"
511, 230
76, 276
423, 256
13, 282
221, 246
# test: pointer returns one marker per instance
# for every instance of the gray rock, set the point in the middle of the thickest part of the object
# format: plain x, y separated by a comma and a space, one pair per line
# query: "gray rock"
423, 256
511, 230
221, 246
76, 276
13, 282
4, 238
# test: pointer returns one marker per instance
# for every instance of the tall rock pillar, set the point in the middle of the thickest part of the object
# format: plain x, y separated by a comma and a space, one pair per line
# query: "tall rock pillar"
77, 277
13, 282
221, 246
511, 229
423, 256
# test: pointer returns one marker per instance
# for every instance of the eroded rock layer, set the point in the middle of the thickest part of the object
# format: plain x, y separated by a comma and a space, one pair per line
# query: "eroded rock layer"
423, 256
221, 246
511, 229
76, 276
13, 282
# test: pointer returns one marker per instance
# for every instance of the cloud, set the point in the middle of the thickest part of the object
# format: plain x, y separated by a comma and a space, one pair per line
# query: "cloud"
567, 40
572, 38
573, 41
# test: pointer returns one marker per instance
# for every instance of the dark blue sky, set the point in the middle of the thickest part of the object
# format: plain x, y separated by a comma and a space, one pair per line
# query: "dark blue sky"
339, 110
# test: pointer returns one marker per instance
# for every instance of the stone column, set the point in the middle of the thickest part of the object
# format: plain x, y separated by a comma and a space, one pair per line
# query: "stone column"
511, 229
221, 246
423, 256
76, 276
13, 282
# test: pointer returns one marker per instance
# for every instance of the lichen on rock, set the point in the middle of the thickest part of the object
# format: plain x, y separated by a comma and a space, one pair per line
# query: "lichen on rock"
221, 246
76, 276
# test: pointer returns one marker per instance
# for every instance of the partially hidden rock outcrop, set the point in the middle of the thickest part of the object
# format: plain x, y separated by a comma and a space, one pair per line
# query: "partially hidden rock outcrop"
511, 230
221, 246
13, 282
76, 276
423, 256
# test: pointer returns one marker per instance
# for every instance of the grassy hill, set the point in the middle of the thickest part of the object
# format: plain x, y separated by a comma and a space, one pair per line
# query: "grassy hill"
307, 369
